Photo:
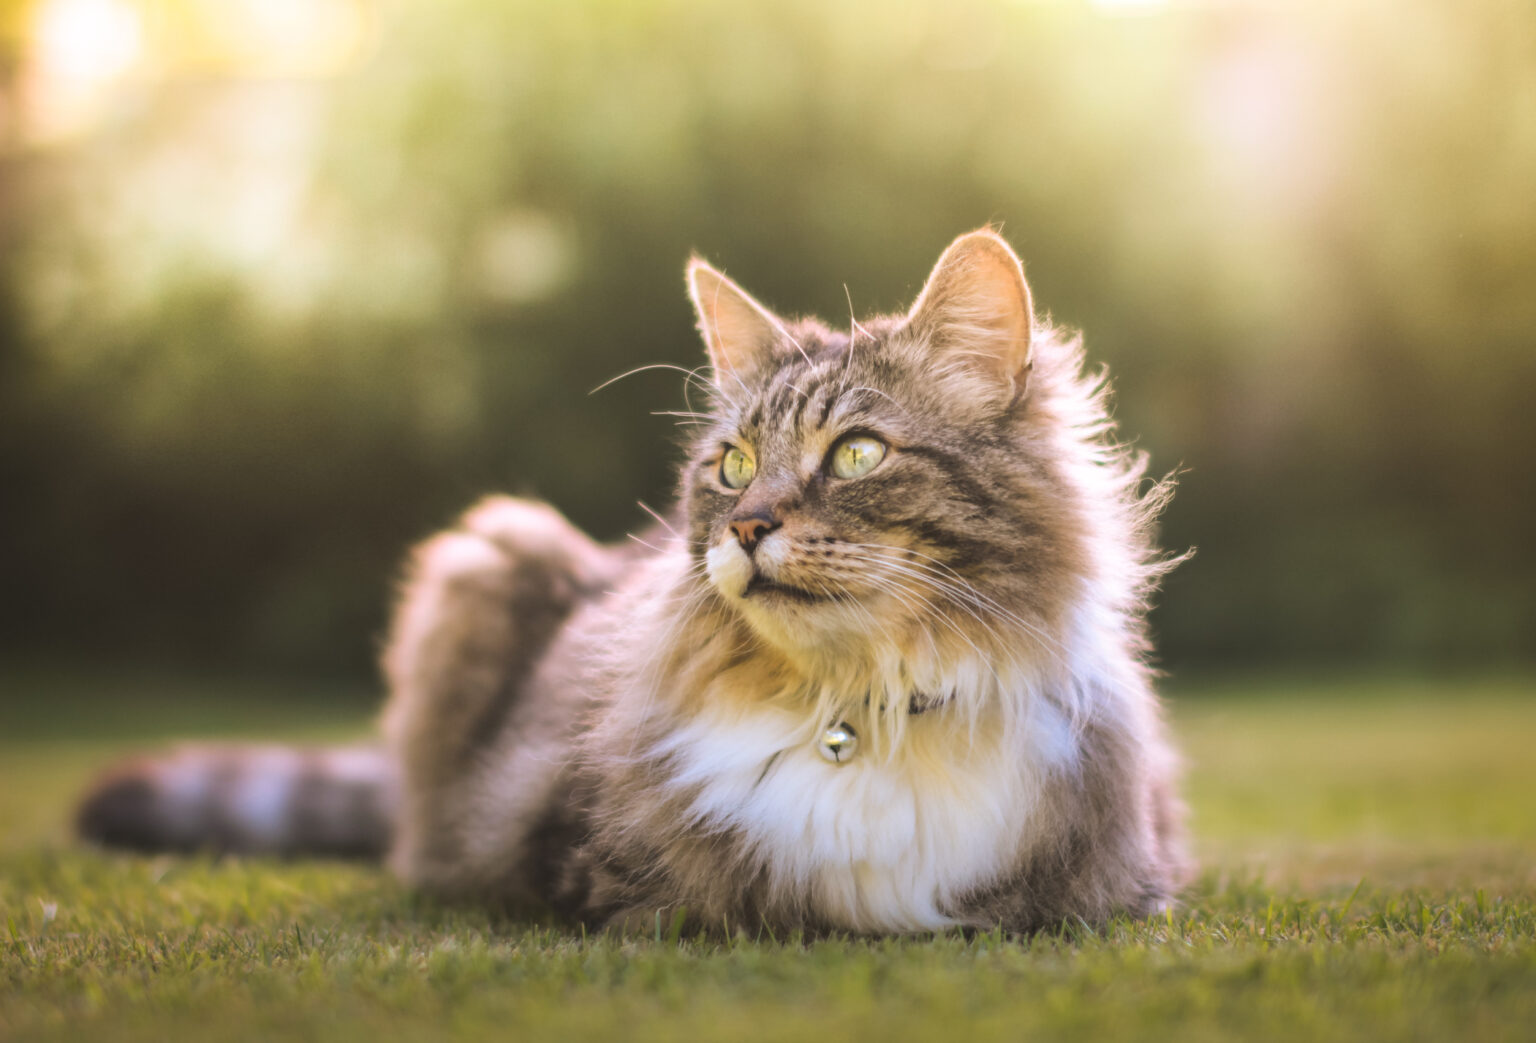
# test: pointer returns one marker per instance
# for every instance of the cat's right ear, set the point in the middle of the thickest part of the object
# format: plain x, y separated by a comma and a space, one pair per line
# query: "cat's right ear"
975, 316
740, 333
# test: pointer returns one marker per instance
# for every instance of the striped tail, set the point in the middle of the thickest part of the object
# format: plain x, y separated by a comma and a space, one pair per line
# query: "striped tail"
336, 803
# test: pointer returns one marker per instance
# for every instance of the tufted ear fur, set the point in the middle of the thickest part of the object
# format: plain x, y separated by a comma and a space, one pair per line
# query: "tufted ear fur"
738, 331
974, 313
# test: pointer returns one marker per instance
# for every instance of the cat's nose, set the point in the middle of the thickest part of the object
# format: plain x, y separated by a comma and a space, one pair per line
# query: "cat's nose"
752, 528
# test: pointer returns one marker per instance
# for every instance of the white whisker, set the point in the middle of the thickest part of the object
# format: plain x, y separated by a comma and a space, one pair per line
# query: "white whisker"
642, 369
664, 523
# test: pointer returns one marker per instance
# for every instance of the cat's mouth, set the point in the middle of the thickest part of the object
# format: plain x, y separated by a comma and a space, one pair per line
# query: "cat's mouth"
761, 586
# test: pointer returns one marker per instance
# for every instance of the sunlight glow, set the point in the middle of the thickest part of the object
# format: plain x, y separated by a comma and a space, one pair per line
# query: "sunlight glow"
81, 52
80, 49
1128, 6
88, 39
1266, 120
268, 38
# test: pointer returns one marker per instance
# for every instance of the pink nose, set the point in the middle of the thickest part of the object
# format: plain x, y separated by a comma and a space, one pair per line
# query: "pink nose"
752, 529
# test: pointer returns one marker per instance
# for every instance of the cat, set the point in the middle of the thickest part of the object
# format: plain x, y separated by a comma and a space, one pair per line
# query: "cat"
882, 670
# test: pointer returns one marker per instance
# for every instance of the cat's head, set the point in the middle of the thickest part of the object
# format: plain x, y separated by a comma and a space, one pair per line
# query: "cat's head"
902, 480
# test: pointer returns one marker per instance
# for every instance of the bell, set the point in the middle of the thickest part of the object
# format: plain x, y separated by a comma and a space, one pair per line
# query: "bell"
838, 743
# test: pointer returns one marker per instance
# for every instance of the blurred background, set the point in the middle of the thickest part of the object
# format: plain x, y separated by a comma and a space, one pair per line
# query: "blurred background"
284, 284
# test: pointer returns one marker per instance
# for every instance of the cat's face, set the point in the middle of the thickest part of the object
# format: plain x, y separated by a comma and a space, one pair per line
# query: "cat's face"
852, 487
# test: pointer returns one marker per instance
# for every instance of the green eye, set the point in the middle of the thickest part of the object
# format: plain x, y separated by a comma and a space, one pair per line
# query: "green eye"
857, 456
736, 469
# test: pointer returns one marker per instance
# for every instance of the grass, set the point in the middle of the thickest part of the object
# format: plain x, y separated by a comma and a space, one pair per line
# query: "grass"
1368, 852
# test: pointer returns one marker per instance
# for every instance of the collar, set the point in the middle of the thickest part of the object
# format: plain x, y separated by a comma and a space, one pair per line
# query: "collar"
922, 702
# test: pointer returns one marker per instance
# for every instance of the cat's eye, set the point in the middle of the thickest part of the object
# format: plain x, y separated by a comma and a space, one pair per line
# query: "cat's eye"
857, 456
736, 468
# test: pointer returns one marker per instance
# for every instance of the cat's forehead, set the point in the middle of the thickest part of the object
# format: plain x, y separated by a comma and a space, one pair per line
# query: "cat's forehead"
823, 381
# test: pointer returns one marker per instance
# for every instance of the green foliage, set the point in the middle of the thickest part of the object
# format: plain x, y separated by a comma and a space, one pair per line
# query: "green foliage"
1366, 852
261, 334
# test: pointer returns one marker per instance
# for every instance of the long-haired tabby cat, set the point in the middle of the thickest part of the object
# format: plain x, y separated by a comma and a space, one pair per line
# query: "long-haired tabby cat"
881, 671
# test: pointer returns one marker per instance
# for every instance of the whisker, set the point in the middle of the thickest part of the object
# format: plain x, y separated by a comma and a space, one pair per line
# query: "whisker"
854, 329
664, 523
650, 546
796, 343
954, 587
643, 369
882, 394
891, 587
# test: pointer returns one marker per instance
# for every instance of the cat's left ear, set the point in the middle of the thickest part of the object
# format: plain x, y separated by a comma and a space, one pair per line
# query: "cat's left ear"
739, 332
975, 313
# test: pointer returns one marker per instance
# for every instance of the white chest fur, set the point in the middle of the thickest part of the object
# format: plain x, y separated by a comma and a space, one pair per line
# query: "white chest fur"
882, 842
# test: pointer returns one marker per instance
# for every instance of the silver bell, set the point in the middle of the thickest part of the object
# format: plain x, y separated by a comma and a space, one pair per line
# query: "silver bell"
838, 743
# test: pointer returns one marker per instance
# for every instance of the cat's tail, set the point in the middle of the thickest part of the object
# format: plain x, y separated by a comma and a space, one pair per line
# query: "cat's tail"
279, 800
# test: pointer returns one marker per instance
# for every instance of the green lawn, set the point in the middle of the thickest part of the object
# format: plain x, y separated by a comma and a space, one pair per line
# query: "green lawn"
1369, 854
